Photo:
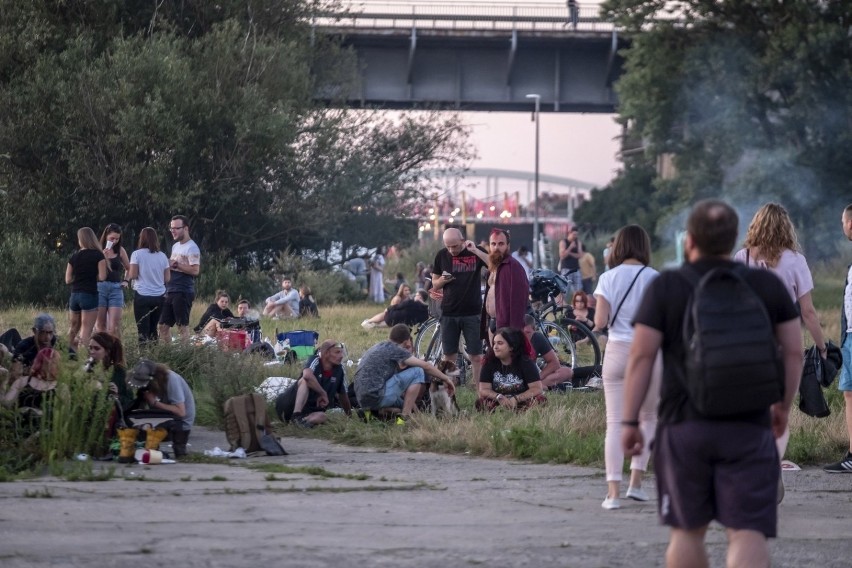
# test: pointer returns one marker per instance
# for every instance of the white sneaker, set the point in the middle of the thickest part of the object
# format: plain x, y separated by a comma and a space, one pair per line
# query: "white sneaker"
367, 324
637, 494
594, 383
611, 503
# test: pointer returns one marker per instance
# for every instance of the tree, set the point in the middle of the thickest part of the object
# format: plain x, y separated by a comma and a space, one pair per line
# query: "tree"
134, 111
753, 98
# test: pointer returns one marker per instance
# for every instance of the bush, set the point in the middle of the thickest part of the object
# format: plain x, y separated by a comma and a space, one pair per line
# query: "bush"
30, 274
74, 421
218, 273
330, 288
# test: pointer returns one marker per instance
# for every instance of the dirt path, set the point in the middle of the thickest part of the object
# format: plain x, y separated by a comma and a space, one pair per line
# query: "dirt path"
383, 509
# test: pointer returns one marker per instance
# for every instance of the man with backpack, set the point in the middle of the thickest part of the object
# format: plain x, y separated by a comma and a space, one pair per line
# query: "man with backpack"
732, 360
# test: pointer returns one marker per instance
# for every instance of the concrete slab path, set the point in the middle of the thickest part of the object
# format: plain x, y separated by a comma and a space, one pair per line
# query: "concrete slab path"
367, 507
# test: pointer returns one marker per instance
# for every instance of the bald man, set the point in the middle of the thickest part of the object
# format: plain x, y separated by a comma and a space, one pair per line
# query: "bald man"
456, 272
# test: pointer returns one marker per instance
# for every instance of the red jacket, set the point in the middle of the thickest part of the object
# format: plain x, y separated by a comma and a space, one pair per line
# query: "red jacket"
512, 292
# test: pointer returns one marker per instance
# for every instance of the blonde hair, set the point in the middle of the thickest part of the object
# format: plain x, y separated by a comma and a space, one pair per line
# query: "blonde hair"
770, 233
87, 239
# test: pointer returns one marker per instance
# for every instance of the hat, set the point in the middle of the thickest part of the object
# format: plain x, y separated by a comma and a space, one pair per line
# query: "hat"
142, 373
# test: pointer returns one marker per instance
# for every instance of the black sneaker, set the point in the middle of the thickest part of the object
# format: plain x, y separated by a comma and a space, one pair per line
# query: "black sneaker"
843, 466
303, 423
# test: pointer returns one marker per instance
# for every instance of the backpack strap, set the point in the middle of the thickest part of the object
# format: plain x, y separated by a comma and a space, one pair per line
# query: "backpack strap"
621, 303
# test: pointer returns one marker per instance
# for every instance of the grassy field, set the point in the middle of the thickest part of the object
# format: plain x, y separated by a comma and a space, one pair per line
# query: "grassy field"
570, 429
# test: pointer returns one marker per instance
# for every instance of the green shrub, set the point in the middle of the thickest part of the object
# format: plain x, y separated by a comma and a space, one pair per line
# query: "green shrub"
30, 275
218, 273
329, 288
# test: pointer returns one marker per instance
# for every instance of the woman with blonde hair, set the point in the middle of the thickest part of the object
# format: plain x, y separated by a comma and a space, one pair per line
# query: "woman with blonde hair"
85, 269
619, 294
771, 243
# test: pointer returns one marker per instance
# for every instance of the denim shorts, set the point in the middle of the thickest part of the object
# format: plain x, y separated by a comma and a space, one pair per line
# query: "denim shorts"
83, 302
845, 383
396, 386
110, 295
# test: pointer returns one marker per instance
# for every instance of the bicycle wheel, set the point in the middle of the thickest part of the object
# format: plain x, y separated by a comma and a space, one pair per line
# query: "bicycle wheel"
425, 333
588, 350
570, 353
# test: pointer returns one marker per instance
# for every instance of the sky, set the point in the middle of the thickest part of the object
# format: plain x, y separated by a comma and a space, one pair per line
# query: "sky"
579, 146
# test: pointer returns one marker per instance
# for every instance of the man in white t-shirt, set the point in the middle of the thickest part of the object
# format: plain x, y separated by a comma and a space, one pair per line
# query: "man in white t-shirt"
185, 265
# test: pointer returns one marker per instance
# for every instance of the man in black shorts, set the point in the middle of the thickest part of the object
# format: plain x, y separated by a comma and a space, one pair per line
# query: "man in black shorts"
185, 265
322, 386
724, 468
455, 272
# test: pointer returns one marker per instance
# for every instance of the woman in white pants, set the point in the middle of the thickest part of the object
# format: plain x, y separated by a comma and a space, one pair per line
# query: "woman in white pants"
619, 292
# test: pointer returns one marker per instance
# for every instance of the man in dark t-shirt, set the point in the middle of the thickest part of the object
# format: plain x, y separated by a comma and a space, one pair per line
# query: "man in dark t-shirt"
723, 469
24, 353
321, 386
455, 272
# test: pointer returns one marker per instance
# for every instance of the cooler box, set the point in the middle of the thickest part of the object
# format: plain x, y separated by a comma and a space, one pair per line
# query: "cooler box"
233, 339
302, 342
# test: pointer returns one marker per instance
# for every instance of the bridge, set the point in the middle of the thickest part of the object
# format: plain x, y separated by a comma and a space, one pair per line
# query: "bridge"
480, 56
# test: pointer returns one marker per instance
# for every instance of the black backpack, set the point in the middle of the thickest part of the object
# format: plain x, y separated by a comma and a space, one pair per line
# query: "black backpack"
733, 364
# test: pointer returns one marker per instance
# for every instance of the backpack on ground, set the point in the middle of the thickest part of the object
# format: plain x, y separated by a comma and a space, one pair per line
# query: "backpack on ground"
246, 425
733, 363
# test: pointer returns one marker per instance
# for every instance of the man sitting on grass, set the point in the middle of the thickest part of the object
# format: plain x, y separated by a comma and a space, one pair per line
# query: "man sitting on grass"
390, 378
285, 303
321, 386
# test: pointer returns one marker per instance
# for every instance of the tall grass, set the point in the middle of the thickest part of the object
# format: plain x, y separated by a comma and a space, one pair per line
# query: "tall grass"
570, 429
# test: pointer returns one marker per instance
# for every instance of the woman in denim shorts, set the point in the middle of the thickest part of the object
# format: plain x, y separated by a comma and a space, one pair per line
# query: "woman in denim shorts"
85, 269
111, 290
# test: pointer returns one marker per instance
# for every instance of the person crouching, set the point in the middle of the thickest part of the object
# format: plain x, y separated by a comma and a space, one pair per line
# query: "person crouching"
163, 389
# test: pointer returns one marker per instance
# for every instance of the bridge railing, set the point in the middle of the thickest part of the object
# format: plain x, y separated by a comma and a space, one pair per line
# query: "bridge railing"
466, 16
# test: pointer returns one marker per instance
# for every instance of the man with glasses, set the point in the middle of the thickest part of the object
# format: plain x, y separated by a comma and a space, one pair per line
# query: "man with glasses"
185, 264
24, 353
455, 273
322, 386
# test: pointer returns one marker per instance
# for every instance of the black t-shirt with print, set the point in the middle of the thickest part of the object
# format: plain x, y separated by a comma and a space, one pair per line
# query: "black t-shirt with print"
462, 296
509, 379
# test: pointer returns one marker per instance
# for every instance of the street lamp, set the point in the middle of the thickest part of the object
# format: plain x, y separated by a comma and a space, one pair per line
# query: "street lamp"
536, 252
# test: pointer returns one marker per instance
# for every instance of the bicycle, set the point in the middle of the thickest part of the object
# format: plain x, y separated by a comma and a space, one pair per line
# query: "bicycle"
575, 344
428, 346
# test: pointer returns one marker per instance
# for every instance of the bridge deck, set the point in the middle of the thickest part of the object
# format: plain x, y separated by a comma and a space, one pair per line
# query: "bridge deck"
462, 16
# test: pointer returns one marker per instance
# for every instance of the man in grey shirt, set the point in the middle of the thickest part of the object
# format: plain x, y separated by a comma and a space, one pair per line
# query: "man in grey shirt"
389, 376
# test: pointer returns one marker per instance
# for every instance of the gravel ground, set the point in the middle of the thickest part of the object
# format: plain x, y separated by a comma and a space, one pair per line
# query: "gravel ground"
379, 508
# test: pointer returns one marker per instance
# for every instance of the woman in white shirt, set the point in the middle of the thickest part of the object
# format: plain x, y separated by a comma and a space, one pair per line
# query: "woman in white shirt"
149, 271
619, 292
